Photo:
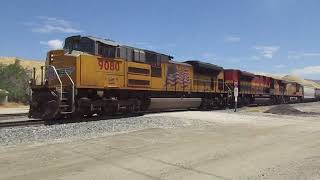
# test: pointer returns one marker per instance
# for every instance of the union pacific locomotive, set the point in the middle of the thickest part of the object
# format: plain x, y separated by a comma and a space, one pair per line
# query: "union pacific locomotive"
99, 76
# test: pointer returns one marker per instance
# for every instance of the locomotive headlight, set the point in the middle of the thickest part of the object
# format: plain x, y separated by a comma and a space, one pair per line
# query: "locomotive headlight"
51, 57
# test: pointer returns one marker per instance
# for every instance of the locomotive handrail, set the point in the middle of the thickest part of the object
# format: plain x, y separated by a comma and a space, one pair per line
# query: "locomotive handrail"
58, 77
72, 100
228, 87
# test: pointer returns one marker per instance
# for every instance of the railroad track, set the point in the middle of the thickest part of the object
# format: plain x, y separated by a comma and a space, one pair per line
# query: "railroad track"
78, 119
21, 123
17, 123
13, 115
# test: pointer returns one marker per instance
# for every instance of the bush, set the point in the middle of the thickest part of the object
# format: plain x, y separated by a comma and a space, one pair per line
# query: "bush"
3, 94
14, 78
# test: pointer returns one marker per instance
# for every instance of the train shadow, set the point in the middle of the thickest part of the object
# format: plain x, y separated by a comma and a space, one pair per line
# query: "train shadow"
90, 119
95, 117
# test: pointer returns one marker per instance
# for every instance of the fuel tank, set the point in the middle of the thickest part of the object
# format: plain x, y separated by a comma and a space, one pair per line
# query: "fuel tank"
174, 103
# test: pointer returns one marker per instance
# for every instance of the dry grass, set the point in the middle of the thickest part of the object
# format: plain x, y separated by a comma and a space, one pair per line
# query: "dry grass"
301, 81
13, 105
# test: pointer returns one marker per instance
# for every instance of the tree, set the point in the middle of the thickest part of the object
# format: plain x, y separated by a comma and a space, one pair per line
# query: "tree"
14, 78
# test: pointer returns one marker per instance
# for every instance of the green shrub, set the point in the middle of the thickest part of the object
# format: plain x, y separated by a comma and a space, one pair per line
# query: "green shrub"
14, 78
3, 93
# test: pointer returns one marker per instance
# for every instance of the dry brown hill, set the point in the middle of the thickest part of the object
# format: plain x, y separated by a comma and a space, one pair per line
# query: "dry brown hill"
316, 81
304, 82
301, 81
28, 64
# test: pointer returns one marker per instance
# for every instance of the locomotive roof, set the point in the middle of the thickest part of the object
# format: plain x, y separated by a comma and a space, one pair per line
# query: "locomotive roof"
203, 65
180, 63
245, 73
116, 44
205, 68
104, 41
232, 69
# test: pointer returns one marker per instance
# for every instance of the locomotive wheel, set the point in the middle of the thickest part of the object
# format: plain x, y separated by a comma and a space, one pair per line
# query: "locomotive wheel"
144, 104
50, 110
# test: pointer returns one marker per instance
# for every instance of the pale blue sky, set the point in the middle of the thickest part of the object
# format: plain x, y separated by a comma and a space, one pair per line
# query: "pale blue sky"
274, 36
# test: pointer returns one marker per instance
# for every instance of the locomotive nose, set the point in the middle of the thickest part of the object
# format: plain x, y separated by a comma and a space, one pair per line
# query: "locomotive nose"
44, 105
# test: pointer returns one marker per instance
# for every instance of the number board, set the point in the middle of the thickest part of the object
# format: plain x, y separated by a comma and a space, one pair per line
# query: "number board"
108, 64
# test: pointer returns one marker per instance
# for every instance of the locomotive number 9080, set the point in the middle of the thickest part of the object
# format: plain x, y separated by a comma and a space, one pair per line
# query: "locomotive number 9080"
109, 65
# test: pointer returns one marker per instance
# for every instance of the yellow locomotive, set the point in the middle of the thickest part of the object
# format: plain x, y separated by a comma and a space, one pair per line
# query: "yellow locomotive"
99, 76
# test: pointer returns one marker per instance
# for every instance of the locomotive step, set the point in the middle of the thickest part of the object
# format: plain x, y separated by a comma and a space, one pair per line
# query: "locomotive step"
64, 105
65, 112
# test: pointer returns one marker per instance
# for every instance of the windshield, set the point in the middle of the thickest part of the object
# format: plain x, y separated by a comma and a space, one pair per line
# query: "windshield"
80, 44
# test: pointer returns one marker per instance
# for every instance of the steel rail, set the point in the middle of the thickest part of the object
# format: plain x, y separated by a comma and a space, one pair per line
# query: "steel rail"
14, 115
21, 123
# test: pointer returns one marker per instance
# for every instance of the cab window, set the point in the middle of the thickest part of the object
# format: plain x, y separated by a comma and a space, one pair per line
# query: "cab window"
106, 50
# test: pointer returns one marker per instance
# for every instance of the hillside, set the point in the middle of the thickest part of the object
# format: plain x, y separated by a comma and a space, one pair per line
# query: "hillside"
302, 81
316, 81
28, 64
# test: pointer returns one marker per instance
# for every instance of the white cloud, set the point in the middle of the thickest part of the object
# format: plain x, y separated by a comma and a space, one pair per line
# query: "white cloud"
309, 70
267, 51
52, 25
278, 75
300, 55
53, 44
232, 39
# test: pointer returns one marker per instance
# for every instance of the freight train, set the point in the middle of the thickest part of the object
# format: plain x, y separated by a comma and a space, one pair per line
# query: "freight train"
99, 76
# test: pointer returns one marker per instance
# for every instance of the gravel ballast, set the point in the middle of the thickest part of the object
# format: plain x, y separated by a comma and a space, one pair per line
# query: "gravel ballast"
21, 135
92, 129
286, 109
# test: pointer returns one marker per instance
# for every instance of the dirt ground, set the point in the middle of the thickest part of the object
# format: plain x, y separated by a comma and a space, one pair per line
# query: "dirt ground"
12, 105
249, 144
13, 108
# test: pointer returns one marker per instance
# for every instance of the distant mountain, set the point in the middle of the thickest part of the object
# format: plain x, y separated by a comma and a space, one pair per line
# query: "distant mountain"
302, 81
26, 63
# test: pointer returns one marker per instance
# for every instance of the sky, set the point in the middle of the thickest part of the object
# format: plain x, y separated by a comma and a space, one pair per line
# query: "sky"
271, 36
